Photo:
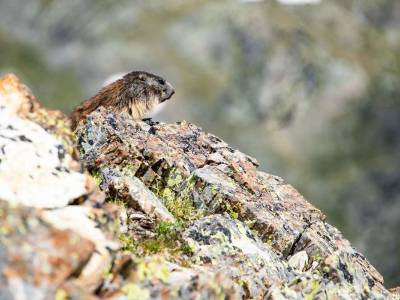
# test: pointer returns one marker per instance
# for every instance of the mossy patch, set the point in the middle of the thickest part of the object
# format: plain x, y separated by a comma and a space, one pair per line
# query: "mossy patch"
316, 257
97, 177
154, 269
127, 243
175, 178
168, 238
315, 288
176, 192
187, 249
117, 201
61, 295
232, 212
134, 292
181, 208
128, 169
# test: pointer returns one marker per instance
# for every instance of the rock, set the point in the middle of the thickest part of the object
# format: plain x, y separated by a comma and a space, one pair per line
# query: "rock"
16, 97
218, 241
395, 292
155, 278
84, 221
43, 250
298, 261
36, 168
196, 172
140, 197
35, 258
195, 219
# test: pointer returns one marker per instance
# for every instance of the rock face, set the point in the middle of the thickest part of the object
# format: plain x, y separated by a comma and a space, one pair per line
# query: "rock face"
34, 161
185, 217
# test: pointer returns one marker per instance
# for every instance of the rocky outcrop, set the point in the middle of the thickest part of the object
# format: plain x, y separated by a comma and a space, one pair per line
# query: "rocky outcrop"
177, 214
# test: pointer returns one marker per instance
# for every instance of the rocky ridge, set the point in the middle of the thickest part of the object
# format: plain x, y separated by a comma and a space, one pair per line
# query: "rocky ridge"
134, 210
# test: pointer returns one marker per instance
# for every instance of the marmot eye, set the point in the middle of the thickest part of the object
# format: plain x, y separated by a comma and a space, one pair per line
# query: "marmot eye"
142, 78
161, 81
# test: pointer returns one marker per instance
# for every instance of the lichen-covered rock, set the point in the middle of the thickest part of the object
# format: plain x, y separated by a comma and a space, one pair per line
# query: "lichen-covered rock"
35, 166
45, 244
153, 277
218, 241
35, 257
18, 99
199, 177
35, 169
90, 224
195, 219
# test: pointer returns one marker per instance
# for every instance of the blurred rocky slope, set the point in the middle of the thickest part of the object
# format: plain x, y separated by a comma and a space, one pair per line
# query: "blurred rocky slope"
311, 91
182, 216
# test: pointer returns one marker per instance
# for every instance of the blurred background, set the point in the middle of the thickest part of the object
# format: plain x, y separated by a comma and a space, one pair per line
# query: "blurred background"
310, 88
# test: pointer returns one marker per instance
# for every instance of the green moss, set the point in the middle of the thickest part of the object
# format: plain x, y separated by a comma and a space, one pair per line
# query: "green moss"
168, 237
168, 240
166, 228
175, 178
117, 201
188, 186
176, 192
168, 195
244, 284
97, 177
230, 210
269, 242
61, 295
219, 203
316, 257
152, 246
315, 289
134, 292
129, 169
154, 269
182, 209
187, 249
127, 243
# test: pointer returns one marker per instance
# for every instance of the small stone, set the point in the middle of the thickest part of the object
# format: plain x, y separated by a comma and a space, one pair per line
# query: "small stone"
298, 261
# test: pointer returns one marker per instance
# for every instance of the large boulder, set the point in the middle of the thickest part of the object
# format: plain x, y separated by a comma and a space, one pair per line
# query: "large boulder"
155, 211
231, 212
45, 243
37, 167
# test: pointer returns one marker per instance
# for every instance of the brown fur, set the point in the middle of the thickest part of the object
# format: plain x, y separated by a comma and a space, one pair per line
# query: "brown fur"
136, 93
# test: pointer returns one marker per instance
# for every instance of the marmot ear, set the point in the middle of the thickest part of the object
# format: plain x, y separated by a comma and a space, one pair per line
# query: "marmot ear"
142, 77
161, 81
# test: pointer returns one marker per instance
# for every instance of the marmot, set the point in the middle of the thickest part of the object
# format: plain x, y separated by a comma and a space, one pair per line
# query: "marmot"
137, 93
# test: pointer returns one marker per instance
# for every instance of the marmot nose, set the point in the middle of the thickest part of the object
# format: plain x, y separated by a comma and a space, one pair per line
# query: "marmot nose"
170, 88
169, 91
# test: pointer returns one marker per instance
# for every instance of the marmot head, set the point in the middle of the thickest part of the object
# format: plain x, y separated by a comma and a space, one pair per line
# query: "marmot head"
147, 87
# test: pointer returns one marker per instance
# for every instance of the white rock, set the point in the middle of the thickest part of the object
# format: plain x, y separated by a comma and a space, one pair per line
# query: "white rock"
299, 261
143, 197
35, 169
